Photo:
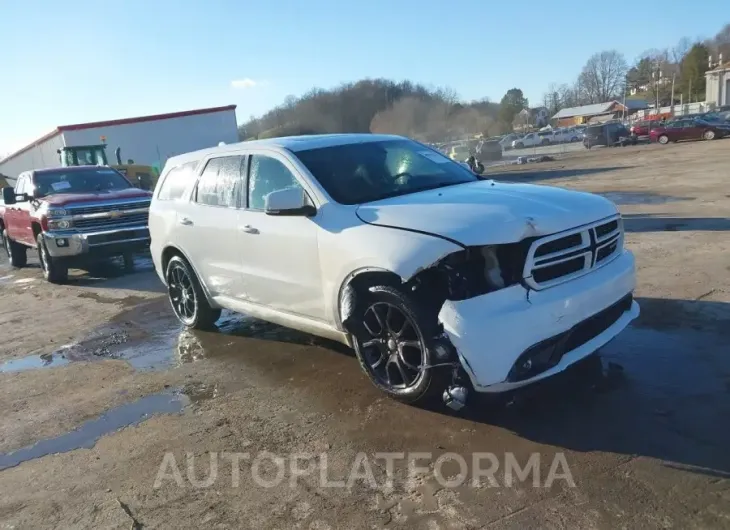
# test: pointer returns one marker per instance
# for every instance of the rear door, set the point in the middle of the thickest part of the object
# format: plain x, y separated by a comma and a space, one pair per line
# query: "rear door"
207, 225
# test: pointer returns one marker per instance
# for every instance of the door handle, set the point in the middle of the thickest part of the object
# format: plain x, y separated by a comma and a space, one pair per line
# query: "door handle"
185, 221
248, 229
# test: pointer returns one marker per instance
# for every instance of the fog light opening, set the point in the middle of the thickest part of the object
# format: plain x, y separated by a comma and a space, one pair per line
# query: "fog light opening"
61, 242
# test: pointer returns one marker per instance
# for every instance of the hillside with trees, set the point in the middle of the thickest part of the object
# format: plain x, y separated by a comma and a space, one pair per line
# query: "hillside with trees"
437, 114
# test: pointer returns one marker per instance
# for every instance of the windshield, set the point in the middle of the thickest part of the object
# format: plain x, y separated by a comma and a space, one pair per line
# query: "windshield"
358, 173
91, 180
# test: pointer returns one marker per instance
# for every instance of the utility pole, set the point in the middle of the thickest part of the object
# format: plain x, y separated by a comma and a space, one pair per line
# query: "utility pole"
690, 90
672, 103
623, 110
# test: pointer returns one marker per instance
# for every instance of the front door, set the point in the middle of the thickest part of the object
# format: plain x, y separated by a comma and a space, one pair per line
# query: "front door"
281, 265
207, 226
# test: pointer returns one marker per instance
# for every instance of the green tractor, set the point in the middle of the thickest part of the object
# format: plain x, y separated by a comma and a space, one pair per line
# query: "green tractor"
144, 177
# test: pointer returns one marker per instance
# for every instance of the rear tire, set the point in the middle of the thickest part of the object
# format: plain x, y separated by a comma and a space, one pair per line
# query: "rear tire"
187, 298
709, 135
394, 342
17, 253
53, 270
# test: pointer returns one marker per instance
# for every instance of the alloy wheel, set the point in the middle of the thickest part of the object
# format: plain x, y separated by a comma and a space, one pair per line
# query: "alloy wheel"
393, 349
709, 135
663, 140
182, 294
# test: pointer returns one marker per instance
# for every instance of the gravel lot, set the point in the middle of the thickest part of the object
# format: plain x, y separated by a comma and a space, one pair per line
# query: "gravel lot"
104, 399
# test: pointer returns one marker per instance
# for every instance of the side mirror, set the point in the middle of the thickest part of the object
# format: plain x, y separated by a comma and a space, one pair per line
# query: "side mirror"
291, 202
9, 196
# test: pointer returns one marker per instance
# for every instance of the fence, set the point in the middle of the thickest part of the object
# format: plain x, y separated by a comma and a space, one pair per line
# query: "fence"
673, 110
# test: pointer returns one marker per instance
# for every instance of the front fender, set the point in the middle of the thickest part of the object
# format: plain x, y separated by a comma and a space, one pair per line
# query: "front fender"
367, 248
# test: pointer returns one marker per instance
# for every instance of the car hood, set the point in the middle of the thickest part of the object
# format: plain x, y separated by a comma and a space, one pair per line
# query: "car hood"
62, 199
488, 212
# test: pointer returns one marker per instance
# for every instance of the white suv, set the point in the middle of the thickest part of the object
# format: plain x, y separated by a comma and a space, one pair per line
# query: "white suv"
441, 281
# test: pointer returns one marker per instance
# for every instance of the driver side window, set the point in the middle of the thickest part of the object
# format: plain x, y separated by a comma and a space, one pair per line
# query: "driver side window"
267, 174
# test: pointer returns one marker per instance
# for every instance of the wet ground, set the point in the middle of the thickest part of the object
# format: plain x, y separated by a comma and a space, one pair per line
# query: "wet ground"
103, 393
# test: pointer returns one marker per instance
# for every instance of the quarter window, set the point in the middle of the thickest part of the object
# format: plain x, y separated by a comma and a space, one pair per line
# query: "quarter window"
218, 185
176, 181
267, 174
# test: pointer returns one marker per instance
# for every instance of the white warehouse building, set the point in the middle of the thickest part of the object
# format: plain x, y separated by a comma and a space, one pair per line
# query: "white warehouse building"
147, 140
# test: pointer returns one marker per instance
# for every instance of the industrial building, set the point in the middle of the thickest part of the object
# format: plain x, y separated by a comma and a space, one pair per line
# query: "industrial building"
595, 113
147, 140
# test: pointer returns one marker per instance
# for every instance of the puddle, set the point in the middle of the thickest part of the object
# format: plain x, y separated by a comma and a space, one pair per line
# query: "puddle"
639, 197
34, 362
86, 436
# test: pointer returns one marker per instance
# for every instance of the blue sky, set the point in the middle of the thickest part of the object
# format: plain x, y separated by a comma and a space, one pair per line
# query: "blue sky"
79, 60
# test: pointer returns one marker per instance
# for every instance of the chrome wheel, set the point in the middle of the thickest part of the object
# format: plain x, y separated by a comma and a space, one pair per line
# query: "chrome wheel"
182, 293
663, 140
393, 349
709, 135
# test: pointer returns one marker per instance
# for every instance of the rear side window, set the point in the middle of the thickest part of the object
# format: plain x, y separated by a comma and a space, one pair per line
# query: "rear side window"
176, 181
219, 183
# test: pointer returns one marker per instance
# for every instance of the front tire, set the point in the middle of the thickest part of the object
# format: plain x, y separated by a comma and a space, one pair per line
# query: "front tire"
519, 146
53, 270
663, 139
186, 296
17, 253
394, 342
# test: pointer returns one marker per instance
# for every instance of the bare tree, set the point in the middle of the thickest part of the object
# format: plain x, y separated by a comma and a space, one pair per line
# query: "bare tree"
680, 49
602, 77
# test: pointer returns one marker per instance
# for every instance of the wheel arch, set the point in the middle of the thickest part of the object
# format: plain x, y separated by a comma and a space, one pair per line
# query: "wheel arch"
360, 280
168, 253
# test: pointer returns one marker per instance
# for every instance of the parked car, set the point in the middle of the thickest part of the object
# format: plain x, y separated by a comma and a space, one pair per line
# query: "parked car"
439, 280
689, 129
607, 134
565, 135
507, 141
641, 129
488, 150
533, 139
72, 214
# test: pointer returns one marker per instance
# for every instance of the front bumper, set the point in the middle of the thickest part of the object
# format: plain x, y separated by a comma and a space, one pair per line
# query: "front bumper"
491, 332
69, 243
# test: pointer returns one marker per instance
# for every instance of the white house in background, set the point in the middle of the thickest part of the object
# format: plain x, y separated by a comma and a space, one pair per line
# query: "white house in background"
717, 86
530, 118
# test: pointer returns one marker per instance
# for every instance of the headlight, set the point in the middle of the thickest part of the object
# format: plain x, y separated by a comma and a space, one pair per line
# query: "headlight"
56, 212
472, 272
59, 224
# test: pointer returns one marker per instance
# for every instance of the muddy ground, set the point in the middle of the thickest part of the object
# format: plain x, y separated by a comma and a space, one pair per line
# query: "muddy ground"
98, 383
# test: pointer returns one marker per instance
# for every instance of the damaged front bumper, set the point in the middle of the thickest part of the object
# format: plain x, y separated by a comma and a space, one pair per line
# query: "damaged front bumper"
496, 334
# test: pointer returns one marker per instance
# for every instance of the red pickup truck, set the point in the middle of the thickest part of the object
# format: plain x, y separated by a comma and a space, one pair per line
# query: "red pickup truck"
71, 214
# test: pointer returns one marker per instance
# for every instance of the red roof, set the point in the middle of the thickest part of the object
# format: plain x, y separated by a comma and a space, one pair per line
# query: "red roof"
125, 121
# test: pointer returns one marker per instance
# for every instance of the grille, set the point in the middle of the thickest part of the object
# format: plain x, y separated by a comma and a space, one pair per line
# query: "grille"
109, 222
103, 208
110, 216
561, 257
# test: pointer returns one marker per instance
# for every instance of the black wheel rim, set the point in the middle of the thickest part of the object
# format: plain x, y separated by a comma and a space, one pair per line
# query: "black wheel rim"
392, 348
182, 294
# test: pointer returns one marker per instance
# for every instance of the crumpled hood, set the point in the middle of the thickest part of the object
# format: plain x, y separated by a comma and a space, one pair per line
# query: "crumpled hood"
63, 199
487, 212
